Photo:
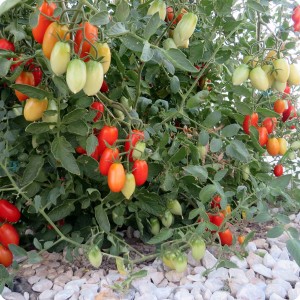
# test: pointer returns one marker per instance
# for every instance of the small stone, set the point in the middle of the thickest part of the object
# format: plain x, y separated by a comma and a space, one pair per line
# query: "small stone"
207, 294
76, 296
147, 296
164, 283
33, 279
183, 294
284, 254
163, 293
292, 217
143, 286
238, 275
57, 287
261, 243
293, 295
260, 283
269, 261
64, 294
28, 273
220, 273
214, 284
53, 264
275, 288
219, 295
283, 283
209, 261
199, 270
63, 278
48, 294
250, 292
6, 290
253, 259
275, 252
262, 270
285, 275
42, 285
251, 247
250, 274
191, 261
75, 284
196, 278
275, 297
174, 276
241, 263
13, 296
89, 293
26, 296
156, 277
287, 265
136, 234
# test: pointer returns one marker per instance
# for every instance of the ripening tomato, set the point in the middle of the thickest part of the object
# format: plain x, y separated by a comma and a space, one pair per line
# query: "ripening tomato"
278, 170
34, 109
9, 212
216, 219
80, 150
129, 186
94, 78
250, 121
132, 139
273, 146
8, 235
99, 107
226, 237
170, 14
108, 157
116, 177
262, 136
60, 57
289, 113
216, 202
46, 9
90, 35
140, 172
282, 146
280, 106
268, 123
36, 72
54, 33
102, 50
104, 87
108, 134
76, 75
6, 257
7, 45
241, 239
24, 78
287, 90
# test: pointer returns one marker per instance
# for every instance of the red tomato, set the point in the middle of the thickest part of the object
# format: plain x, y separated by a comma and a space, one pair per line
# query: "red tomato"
250, 121
8, 235
140, 172
80, 150
132, 139
287, 90
7, 45
108, 157
170, 14
268, 123
297, 26
19, 62
116, 177
9, 212
289, 113
6, 257
279, 106
37, 73
216, 202
104, 87
296, 14
108, 134
278, 170
263, 135
273, 146
226, 237
216, 219
91, 35
24, 78
99, 107
47, 9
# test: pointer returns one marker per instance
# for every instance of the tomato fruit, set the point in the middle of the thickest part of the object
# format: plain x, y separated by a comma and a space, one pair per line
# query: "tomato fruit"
216, 202
47, 9
94, 78
99, 107
116, 177
287, 89
216, 219
246, 172
180, 263
138, 150
278, 170
250, 120
90, 35
268, 123
34, 109
154, 226
7, 45
280, 106
282, 70
262, 136
240, 74
129, 186
109, 135
6, 257
60, 57
95, 256
167, 219
24, 78
170, 14
53, 118
168, 258
226, 237
37, 73
241, 239
294, 77
80, 150
54, 33
268, 69
273, 146
132, 139
259, 79
102, 50
9, 212
198, 248
140, 172
296, 14
76, 75
108, 157
174, 207
104, 87
226, 211
288, 113
8, 235
282, 146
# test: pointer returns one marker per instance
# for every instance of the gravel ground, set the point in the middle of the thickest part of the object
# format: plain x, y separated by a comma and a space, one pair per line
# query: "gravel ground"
268, 272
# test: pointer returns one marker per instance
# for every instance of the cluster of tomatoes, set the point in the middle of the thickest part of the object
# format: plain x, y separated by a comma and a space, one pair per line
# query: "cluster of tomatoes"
296, 18
9, 213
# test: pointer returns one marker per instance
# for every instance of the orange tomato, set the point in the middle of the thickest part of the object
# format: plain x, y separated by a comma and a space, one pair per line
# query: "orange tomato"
241, 239
54, 33
282, 145
116, 177
273, 146
24, 78
280, 106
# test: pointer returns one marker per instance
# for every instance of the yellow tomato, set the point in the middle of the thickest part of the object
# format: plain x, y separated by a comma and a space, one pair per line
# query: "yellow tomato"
34, 109
282, 146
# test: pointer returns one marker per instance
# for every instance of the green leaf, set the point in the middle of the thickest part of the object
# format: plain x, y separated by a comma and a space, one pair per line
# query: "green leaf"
32, 169
255, 140
61, 211
4, 66
293, 247
226, 264
37, 128
17, 251
242, 107
238, 150
220, 175
231, 130
149, 202
102, 218
132, 43
215, 145
212, 119
256, 6
195, 213
152, 26
267, 112
79, 128
275, 232
222, 56
147, 53
74, 115
61, 85
262, 217
91, 144
34, 258
203, 138
197, 171
281, 182
31, 91
179, 155
62, 151
163, 235
122, 11
6, 5
116, 30
179, 60
174, 84
207, 192
37, 244
197, 99
101, 18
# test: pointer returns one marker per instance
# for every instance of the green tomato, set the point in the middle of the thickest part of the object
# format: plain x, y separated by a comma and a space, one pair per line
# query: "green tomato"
167, 219
76, 75
129, 186
138, 150
175, 207
154, 226
198, 248
180, 263
94, 78
60, 57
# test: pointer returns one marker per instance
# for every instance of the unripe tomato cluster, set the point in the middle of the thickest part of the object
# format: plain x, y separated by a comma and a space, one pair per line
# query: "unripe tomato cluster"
296, 18
9, 213
272, 72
